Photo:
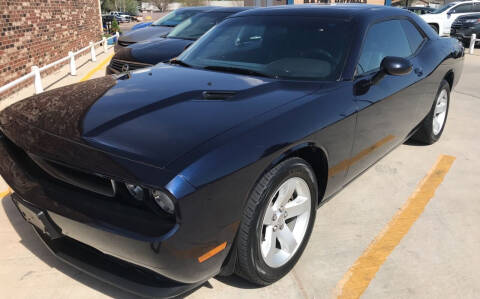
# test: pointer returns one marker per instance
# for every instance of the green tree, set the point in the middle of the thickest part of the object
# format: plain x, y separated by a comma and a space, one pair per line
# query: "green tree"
115, 26
130, 6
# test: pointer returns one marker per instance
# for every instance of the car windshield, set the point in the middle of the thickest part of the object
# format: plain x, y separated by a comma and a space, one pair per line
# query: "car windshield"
443, 8
174, 18
196, 26
297, 48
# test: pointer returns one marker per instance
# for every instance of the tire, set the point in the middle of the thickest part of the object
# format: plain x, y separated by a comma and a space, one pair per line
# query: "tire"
262, 264
428, 132
435, 27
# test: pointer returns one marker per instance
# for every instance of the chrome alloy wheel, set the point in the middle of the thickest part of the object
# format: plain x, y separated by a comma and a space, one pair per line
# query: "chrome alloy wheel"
440, 112
285, 222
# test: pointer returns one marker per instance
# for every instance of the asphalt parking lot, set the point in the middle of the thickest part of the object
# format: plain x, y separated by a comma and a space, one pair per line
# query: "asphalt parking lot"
384, 236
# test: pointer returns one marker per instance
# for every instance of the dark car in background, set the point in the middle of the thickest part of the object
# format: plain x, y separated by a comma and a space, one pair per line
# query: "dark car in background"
463, 28
160, 27
420, 10
157, 180
150, 52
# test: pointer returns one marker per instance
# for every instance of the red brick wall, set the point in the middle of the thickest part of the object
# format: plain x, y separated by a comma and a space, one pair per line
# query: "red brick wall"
38, 32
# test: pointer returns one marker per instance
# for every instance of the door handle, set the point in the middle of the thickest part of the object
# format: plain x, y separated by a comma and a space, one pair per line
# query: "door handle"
418, 71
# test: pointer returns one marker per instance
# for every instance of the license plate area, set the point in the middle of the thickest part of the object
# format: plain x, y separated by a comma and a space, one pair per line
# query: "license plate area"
37, 218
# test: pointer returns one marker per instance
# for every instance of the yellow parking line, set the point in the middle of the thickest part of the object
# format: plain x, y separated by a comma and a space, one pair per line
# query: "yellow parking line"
5, 193
358, 277
97, 68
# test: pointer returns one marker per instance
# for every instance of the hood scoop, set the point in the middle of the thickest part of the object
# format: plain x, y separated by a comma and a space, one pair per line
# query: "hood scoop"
218, 95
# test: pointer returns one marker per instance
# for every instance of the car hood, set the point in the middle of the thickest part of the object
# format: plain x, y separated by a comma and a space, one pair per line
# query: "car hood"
145, 33
154, 116
432, 17
154, 51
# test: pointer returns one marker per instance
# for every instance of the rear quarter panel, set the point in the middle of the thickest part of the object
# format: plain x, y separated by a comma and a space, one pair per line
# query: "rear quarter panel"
440, 57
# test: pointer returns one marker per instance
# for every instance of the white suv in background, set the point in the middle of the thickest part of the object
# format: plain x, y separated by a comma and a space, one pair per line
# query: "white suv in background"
441, 19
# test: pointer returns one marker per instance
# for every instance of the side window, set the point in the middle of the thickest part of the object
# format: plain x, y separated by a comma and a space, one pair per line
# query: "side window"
463, 8
383, 39
476, 7
415, 38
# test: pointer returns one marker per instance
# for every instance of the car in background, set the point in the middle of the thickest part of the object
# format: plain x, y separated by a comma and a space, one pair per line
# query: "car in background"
420, 10
441, 19
121, 16
159, 28
463, 28
216, 163
140, 25
150, 52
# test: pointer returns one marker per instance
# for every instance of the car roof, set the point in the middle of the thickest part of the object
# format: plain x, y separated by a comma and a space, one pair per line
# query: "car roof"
345, 11
420, 7
460, 2
195, 8
228, 9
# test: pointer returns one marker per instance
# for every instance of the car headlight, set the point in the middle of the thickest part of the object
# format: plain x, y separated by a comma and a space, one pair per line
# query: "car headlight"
163, 201
136, 191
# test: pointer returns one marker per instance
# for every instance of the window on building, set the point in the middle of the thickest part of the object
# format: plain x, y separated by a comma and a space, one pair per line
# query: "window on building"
383, 39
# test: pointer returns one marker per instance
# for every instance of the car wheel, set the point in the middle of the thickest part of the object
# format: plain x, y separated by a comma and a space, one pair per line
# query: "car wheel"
277, 222
435, 27
432, 126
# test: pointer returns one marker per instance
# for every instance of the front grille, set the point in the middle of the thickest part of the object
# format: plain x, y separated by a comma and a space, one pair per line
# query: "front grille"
124, 65
94, 183
457, 24
124, 43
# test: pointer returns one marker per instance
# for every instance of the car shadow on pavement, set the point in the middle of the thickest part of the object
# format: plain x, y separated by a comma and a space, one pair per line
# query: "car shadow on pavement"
32, 242
237, 282
414, 143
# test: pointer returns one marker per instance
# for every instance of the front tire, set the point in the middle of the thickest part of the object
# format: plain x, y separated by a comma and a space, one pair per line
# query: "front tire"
277, 222
432, 126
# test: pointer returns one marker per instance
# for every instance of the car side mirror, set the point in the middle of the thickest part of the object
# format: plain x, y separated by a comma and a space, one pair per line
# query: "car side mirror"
396, 66
393, 66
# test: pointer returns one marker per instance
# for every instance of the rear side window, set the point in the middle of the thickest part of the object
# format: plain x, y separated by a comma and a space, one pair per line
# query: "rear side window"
415, 38
463, 8
476, 7
383, 39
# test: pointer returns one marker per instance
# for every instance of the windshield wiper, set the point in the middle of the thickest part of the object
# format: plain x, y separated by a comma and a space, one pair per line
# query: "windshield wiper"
179, 62
238, 70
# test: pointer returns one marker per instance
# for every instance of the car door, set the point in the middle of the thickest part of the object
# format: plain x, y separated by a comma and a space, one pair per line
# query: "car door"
457, 11
388, 110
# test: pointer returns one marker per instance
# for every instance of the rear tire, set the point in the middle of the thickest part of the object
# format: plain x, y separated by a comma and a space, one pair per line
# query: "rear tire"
432, 126
266, 250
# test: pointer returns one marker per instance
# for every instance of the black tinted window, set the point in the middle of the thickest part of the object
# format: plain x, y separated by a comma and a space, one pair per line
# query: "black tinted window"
415, 38
464, 8
476, 7
196, 26
383, 39
300, 48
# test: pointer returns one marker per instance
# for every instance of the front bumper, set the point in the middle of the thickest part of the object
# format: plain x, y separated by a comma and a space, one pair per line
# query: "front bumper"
114, 230
127, 276
462, 34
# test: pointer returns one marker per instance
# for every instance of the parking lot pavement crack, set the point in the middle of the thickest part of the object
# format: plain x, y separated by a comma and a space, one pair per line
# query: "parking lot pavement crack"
468, 94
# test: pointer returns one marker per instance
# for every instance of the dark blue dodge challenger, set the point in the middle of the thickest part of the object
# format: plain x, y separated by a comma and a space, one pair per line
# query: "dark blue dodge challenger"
159, 179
